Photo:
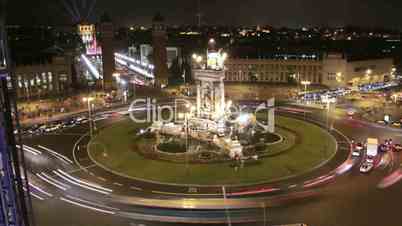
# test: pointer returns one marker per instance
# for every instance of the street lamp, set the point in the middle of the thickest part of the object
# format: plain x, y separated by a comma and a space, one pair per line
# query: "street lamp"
328, 100
305, 83
339, 77
88, 100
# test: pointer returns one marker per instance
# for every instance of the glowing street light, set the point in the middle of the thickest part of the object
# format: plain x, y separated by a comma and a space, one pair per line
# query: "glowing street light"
199, 59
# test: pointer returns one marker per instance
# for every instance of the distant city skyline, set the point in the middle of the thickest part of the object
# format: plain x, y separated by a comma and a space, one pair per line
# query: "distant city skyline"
290, 13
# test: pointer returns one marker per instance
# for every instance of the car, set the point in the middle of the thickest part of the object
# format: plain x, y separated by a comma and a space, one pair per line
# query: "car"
396, 124
382, 148
370, 159
356, 153
366, 167
69, 123
397, 147
382, 122
81, 120
359, 146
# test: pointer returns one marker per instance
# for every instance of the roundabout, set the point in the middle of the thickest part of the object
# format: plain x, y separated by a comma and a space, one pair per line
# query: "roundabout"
302, 148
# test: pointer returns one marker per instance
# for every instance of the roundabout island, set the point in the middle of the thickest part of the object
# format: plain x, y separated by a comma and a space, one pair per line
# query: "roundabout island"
301, 148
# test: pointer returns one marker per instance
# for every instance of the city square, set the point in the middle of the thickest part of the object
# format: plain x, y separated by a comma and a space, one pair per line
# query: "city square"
200, 113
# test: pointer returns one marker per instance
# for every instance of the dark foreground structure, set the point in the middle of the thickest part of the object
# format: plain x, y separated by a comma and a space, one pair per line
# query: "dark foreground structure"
15, 200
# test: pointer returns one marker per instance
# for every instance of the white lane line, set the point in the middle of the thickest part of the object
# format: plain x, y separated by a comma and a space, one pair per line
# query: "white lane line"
135, 188
83, 184
57, 155
91, 203
40, 190
101, 178
52, 181
86, 206
118, 184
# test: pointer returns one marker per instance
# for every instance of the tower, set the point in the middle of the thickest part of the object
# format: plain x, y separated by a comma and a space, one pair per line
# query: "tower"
108, 63
159, 51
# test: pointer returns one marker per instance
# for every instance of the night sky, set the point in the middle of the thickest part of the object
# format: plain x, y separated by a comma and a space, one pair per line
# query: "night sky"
291, 13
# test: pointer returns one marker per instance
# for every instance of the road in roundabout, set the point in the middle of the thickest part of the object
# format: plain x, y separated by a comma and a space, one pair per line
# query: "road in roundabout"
64, 179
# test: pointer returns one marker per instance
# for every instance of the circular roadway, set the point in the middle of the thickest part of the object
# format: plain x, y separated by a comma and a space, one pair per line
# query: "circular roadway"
64, 180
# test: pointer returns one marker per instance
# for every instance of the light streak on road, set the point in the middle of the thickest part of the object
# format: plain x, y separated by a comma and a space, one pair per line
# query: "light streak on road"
36, 196
390, 180
134, 65
33, 194
57, 155
31, 150
90, 66
254, 192
40, 190
52, 181
318, 181
93, 187
86, 206
91, 203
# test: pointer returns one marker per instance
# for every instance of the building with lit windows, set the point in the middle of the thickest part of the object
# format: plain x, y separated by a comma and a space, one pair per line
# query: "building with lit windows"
332, 70
87, 33
41, 80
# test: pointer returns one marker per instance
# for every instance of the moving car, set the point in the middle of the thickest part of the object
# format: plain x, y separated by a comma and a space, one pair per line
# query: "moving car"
397, 147
366, 167
370, 159
359, 146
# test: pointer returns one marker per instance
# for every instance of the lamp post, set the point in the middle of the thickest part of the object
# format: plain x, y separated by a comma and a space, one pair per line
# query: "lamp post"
305, 83
88, 100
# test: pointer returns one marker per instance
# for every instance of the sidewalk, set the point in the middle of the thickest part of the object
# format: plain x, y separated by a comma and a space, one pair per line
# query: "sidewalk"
46, 111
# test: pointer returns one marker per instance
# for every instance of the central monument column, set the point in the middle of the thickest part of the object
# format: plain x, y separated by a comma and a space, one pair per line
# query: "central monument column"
210, 93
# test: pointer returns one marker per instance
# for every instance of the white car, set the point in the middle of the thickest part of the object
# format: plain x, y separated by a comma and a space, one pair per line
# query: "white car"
356, 153
366, 167
370, 159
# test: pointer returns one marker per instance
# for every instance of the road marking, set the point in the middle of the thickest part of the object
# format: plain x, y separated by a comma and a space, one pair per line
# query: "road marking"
75, 147
135, 188
101, 178
82, 169
118, 184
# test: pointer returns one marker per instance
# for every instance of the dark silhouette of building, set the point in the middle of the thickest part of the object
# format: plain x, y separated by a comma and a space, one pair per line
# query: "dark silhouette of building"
159, 39
107, 34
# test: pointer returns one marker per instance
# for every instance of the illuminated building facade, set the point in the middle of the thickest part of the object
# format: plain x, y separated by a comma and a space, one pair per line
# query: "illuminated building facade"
87, 33
40, 80
332, 70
